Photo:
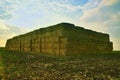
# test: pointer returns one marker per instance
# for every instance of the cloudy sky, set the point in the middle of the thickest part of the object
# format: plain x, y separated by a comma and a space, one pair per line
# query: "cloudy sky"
20, 16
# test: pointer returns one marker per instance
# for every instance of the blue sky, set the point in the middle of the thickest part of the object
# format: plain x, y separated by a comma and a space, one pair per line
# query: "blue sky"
20, 16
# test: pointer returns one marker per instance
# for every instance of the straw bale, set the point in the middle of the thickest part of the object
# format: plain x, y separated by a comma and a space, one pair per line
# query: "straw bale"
61, 39
62, 52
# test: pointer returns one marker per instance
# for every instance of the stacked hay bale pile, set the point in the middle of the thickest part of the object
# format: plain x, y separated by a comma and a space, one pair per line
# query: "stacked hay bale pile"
61, 39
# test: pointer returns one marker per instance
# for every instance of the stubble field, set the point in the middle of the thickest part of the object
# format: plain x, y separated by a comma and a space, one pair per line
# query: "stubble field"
29, 66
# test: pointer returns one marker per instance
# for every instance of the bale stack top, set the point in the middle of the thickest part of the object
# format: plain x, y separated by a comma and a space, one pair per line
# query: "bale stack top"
66, 28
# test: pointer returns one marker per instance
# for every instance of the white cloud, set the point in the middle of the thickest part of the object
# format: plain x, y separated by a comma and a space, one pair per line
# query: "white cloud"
113, 21
7, 8
91, 4
107, 3
94, 15
68, 6
7, 32
3, 26
89, 13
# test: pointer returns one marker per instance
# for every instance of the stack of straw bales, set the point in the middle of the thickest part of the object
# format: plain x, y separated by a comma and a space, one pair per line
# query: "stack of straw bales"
61, 39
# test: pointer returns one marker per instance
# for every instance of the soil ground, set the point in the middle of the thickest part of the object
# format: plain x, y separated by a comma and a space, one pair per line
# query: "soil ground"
36, 66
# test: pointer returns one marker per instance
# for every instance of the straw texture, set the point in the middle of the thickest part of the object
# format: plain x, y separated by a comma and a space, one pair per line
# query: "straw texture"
61, 39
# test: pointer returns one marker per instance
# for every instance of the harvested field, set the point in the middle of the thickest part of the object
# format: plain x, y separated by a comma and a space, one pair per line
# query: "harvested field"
33, 66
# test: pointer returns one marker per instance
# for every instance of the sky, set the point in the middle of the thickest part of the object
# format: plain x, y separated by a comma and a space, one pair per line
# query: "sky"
21, 16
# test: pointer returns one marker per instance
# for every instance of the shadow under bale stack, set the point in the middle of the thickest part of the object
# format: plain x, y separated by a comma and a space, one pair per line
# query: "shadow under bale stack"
61, 39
